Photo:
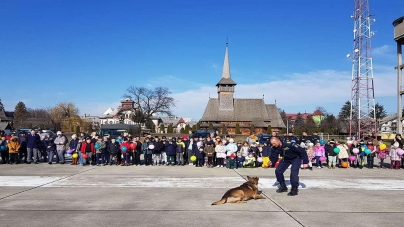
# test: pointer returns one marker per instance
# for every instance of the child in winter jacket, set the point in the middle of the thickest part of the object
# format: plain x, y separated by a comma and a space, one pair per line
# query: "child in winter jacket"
394, 157
171, 151
113, 149
240, 160
220, 154
99, 151
209, 152
13, 148
381, 155
332, 156
249, 161
180, 152
310, 154
318, 153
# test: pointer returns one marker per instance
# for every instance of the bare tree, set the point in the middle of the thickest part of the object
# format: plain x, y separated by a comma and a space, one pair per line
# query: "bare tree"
323, 110
65, 116
39, 118
151, 101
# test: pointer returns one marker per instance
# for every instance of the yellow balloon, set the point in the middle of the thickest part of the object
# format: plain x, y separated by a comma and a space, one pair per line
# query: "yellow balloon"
382, 146
75, 156
193, 158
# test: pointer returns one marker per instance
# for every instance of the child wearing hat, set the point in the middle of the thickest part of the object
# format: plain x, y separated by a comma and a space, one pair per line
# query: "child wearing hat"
180, 151
220, 154
394, 157
332, 156
231, 162
240, 160
249, 161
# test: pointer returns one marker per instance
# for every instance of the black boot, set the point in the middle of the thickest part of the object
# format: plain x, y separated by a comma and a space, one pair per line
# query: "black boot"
294, 191
282, 188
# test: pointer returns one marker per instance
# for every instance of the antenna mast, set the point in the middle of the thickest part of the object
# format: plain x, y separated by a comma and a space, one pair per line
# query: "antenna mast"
363, 114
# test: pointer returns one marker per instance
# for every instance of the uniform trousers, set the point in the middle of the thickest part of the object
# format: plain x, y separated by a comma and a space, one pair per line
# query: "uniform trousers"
294, 171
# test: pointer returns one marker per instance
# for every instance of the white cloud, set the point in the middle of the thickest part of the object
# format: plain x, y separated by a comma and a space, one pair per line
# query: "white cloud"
293, 92
296, 92
382, 51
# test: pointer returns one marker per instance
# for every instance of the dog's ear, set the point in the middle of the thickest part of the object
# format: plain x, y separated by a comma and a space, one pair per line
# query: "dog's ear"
248, 178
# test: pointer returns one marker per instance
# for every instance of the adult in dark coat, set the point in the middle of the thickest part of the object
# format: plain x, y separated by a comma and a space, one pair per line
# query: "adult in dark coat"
32, 140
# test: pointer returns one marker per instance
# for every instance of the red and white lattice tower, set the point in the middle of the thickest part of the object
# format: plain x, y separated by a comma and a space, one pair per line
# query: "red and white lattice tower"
363, 115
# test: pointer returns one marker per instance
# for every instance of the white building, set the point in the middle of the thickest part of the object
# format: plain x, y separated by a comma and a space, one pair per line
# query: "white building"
114, 115
388, 124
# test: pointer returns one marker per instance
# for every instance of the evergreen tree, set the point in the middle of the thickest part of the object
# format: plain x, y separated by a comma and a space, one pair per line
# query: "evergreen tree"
198, 126
345, 111
187, 128
193, 128
162, 128
269, 129
153, 128
310, 126
170, 128
182, 130
238, 128
1, 106
252, 128
380, 111
299, 122
210, 126
20, 115
329, 124
224, 129
283, 116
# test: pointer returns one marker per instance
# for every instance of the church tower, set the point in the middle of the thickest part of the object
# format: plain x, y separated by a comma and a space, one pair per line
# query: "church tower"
225, 87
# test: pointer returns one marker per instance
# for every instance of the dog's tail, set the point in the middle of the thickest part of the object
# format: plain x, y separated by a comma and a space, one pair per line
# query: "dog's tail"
222, 201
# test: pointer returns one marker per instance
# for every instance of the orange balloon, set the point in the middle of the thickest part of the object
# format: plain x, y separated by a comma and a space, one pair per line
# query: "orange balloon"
344, 164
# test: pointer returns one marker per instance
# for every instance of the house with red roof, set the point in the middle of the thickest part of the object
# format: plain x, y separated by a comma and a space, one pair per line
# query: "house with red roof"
317, 116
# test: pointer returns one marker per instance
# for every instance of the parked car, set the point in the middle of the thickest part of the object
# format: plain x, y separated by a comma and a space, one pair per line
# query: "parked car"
19, 131
203, 133
28, 130
263, 137
115, 130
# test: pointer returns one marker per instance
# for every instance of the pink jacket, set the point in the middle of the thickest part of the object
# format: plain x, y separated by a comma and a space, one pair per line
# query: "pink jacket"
319, 151
393, 154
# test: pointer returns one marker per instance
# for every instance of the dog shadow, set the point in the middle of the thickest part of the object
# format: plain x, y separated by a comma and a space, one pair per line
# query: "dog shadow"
287, 182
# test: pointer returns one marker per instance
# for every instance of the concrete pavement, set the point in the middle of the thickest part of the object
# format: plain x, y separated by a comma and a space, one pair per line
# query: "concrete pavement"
65, 195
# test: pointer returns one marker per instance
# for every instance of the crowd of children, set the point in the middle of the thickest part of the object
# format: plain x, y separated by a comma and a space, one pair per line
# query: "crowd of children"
126, 150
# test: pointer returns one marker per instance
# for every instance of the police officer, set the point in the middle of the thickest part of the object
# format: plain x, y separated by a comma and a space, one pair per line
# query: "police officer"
304, 138
292, 155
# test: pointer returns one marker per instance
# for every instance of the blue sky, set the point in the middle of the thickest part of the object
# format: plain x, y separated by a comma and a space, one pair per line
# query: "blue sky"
90, 52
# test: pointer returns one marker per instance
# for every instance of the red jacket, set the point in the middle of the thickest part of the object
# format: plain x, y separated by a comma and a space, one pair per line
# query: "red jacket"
127, 145
84, 146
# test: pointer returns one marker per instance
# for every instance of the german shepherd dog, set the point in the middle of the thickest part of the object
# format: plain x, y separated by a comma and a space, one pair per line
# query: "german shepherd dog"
242, 193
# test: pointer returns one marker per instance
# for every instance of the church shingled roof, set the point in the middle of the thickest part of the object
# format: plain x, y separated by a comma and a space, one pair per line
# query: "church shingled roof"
245, 110
226, 81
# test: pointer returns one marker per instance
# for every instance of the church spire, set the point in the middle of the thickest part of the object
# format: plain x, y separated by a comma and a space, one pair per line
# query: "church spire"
226, 77
226, 64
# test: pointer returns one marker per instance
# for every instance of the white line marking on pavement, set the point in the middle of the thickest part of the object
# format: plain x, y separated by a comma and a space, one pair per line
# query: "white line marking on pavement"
206, 182
25, 181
